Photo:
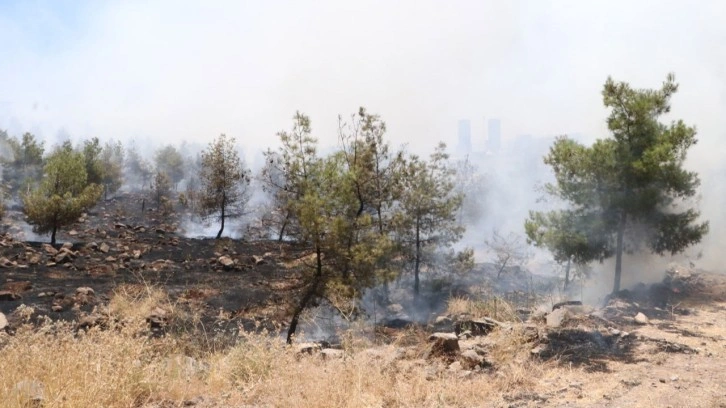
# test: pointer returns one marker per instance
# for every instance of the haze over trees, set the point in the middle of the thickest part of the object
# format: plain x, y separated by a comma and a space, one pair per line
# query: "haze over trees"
224, 182
22, 161
628, 192
62, 195
170, 162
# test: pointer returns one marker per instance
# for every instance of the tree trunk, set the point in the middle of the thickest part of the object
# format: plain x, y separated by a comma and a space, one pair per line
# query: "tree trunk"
417, 261
283, 227
619, 253
312, 291
52, 235
567, 273
221, 229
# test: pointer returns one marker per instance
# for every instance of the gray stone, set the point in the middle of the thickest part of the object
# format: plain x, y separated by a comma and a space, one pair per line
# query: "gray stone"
640, 318
444, 344
225, 261
557, 317
85, 290
471, 359
307, 348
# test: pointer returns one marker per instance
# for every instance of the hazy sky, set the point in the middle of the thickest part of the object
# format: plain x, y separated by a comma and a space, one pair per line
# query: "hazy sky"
173, 70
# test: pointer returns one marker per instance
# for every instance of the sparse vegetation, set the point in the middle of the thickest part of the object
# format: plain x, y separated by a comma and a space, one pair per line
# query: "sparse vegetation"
189, 322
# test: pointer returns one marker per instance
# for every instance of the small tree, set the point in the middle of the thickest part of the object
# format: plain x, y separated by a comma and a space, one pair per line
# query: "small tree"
426, 220
160, 188
137, 168
508, 251
224, 182
63, 194
170, 162
112, 159
23, 160
624, 192
95, 169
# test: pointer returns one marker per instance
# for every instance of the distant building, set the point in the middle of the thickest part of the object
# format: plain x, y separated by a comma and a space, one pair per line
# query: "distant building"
494, 130
464, 146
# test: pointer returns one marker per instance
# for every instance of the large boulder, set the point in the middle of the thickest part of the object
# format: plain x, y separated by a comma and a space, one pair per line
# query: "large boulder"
444, 344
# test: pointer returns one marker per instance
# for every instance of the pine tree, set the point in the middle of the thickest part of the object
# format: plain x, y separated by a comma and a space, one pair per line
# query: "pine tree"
224, 182
170, 162
427, 219
626, 192
62, 195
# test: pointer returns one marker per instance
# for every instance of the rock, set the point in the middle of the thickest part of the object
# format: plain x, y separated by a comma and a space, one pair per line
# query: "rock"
444, 344
63, 256
465, 335
470, 359
640, 318
92, 245
566, 303
85, 290
157, 318
226, 261
7, 296
73, 233
557, 317
49, 249
537, 350
331, 354
5, 263
104, 248
29, 393
92, 320
258, 260
18, 287
307, 348
477, 327
442, 320
3, 321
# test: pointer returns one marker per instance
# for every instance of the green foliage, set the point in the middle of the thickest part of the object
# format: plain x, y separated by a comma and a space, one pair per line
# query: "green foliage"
224, 182
95, 169
160, 188
138, 169
112, 159
285, 175
170, 162
63, 194
628, 192
22, 160
427, 220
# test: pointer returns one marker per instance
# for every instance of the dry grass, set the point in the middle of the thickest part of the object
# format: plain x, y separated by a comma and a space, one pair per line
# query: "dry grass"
120, 367
493, 307
123, 367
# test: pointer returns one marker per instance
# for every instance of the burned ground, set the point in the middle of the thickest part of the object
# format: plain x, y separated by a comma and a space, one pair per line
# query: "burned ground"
651, 345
